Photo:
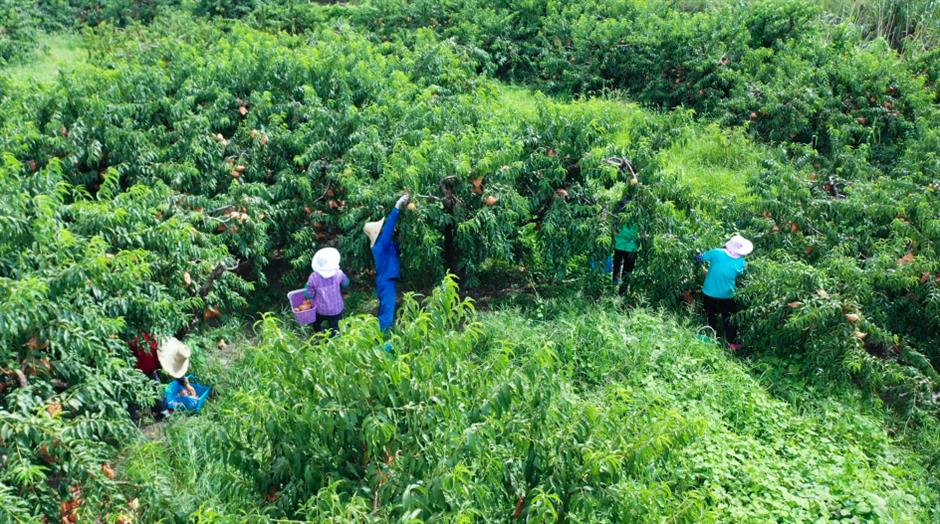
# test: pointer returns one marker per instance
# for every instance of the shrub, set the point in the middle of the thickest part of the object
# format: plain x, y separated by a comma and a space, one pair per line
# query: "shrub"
17, 30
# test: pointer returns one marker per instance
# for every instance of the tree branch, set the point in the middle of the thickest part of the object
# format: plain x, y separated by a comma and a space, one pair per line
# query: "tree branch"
24, 382
217, 272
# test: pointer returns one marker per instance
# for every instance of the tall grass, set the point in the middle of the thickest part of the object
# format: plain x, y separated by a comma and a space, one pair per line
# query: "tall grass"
900, 22
54, 52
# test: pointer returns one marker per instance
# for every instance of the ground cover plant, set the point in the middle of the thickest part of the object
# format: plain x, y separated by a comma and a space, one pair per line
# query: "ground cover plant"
194, 162
585, 415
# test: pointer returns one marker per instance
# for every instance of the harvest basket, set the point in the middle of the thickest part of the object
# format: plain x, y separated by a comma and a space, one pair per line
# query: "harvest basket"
707, 335
296, 298
177, 401
608, 265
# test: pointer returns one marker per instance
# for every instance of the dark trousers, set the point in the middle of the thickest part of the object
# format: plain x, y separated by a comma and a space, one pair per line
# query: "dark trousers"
624, 262
724, 308
332, 322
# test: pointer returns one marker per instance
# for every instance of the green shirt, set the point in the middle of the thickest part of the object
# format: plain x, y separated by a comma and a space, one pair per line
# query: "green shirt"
626, 239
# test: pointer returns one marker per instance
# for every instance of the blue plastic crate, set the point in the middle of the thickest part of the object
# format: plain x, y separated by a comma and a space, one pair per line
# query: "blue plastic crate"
177, 401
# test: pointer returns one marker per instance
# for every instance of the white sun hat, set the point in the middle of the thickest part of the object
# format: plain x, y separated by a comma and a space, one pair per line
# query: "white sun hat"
739, 246
326, 262
372, 230
174, 357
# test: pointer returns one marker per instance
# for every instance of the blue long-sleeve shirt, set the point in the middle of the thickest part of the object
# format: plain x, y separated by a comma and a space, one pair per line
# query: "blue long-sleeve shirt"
385, 251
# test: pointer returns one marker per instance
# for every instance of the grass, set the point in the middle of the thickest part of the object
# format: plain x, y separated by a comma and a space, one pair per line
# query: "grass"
514, 101
56, 52
713, 162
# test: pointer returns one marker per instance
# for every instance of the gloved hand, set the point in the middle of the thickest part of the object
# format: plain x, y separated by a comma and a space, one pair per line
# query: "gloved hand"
403, 201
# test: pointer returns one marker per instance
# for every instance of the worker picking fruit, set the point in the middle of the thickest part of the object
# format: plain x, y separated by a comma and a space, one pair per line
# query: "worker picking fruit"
324, 290
387, 265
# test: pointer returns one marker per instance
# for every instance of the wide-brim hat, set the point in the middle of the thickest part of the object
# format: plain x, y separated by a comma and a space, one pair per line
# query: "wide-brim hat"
739, 246
326, 262
372, 230
174, 357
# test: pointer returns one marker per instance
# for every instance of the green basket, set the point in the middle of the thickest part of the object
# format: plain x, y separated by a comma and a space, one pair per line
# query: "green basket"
707, 335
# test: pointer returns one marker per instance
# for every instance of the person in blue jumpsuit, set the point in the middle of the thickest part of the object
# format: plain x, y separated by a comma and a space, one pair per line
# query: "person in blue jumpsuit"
387, 265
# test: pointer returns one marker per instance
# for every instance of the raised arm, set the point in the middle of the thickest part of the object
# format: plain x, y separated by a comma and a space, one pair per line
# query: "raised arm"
388, 228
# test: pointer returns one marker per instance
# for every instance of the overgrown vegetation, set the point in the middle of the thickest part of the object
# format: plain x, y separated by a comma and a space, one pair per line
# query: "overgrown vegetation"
586, 415
189, 145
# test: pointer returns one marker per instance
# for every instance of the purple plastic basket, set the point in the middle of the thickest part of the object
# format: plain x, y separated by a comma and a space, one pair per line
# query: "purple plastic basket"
296, 298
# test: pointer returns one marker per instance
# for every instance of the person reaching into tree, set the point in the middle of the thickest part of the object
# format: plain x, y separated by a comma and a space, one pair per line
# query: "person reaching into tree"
324, 289
724, 266
625, 249
387, 265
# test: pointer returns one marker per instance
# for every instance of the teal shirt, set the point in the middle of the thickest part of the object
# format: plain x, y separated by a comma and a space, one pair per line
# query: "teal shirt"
626, 239
723, 270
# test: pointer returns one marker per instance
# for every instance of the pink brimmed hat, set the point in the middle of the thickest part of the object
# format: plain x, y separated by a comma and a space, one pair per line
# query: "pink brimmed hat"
739, 246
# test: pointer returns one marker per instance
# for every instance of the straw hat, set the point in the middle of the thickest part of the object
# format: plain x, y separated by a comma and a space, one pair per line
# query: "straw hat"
326, 262
739, 246
174, 357
372, 230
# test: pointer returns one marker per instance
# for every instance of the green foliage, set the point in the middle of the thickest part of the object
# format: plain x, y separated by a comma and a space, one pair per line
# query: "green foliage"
187, 143
17, 30
76, 274
905, 24
59, 14
226, 8
777, 65
588, 415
